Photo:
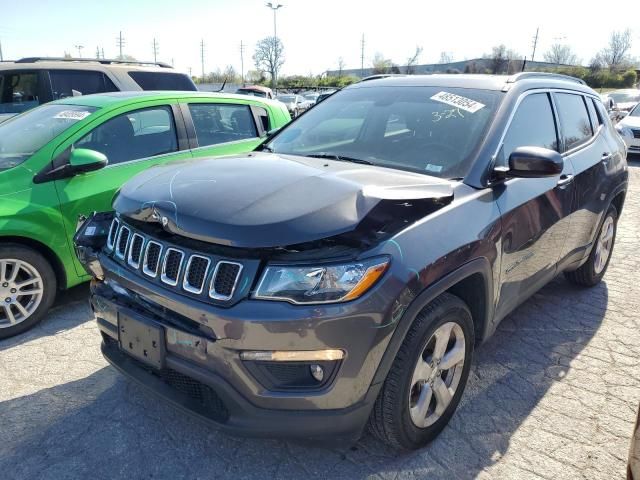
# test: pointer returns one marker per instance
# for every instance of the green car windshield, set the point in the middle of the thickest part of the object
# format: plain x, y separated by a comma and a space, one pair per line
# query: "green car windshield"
24, 135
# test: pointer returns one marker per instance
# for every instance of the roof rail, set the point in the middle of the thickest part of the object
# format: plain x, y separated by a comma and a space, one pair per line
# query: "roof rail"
103, 61
378, 76
526, 75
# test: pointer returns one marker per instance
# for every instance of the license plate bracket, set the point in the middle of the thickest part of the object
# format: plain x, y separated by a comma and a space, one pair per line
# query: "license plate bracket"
142, 339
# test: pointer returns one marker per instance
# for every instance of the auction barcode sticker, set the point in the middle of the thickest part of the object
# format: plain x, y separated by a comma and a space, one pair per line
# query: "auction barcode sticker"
454, 100
72, 115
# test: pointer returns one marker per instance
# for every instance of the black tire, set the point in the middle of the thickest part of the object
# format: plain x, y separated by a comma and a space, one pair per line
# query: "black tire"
390, 420
50, 285
586, 275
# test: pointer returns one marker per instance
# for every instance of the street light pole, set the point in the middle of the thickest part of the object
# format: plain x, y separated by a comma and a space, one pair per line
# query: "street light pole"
275, 42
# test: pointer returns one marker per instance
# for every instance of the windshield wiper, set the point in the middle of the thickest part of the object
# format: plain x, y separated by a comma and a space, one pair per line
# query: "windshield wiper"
341, 158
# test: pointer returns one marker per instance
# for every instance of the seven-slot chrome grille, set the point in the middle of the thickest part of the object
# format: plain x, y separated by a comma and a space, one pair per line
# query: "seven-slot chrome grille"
174, 267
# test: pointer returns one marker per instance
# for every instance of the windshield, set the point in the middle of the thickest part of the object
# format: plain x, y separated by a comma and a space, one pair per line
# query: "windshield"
635, 112
433, 130
287, 98
24, 135
625, 97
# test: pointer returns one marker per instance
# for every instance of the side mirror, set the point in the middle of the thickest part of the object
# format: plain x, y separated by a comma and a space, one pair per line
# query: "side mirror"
83, 160
534, 162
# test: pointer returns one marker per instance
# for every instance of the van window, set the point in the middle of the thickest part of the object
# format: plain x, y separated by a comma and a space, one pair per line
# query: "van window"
163, 81
576, 128
73, 83
18, 91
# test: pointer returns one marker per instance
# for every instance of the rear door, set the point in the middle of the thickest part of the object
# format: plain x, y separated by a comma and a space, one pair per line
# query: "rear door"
534, 210
223, 128
133, 140
584, 145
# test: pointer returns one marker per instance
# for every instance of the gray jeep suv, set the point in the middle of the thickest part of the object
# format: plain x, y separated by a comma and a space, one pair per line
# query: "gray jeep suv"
342, 274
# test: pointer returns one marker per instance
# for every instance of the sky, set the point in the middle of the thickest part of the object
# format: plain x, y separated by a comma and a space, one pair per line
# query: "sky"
315, 34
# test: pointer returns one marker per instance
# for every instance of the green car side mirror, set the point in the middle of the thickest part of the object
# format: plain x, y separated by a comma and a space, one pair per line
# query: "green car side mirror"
84, 160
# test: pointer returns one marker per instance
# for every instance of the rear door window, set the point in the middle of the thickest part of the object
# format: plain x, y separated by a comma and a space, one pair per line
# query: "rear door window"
19, 91
134, 135
574, 119
217, 123
73, 83
163, 81
533, 125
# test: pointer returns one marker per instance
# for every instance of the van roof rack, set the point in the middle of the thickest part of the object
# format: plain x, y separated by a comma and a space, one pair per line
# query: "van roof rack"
558, 76
103, 61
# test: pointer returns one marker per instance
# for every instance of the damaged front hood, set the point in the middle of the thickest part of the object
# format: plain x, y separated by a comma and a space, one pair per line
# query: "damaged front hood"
267, 200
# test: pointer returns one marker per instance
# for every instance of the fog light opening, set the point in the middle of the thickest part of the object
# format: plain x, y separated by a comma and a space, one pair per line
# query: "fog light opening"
317, 372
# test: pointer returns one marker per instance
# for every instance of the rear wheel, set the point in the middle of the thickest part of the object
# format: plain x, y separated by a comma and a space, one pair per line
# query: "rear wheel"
592, 271
27, 289
428, 376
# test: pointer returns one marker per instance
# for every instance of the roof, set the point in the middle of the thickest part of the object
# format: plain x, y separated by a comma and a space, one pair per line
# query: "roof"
83, 65
478, 81
111, 99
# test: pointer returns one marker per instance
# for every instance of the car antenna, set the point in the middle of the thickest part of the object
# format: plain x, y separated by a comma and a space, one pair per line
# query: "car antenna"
223, 84
524, 64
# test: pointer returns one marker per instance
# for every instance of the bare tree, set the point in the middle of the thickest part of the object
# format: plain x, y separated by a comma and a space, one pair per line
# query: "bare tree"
380, 64
501, 59
560, 54
340, 66
269, 57
616, 54
445, 57
412, 61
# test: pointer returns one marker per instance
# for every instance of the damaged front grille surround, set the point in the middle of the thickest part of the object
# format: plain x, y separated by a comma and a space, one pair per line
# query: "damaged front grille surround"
174, 266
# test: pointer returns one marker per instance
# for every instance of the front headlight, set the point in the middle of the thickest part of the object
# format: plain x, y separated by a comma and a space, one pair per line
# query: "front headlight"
320, 284
624, 131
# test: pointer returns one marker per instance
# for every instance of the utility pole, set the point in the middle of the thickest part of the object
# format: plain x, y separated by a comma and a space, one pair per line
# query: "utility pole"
202, 57
190, 75
97, 52
362, 57
79, 47
120, 42
1, 57
535, 44
102, 52
156, 49
242, 61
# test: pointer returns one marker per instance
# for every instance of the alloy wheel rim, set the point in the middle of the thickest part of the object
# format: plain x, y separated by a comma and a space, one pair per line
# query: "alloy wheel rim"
21, 291
604, 244
436, 376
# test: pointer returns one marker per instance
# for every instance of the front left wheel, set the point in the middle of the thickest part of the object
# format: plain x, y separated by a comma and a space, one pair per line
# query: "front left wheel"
27, 289
427, 378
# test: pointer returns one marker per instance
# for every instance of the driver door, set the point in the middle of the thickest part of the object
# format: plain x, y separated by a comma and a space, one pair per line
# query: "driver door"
535, 211
133, 141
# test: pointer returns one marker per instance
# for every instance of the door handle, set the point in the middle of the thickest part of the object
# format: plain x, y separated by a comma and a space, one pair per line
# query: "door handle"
565, 179
606, 156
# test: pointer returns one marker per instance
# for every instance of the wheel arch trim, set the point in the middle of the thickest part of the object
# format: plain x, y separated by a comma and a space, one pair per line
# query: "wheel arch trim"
480, 266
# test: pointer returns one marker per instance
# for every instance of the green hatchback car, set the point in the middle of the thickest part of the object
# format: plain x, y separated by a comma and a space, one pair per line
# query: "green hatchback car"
63, 160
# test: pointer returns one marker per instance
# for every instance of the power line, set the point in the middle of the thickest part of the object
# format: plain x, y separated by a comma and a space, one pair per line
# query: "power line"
120, 42
362, 57
156, 50
535, 44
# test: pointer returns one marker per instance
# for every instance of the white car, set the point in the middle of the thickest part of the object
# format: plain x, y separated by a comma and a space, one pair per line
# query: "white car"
625, 99
629, 129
